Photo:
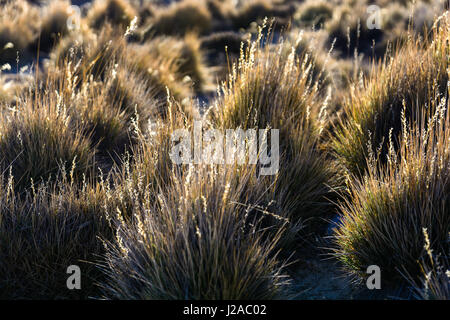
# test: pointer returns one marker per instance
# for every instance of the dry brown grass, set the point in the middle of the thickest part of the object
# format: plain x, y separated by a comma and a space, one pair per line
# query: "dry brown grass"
19, 22
417, 72
54, 24
267, 89
180, 18
46, 230
116, 12
384, 215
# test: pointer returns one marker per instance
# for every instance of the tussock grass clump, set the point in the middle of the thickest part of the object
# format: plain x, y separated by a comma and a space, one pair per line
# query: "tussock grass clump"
384, 215
105, 111
152, 67
314, 13
98, 112
104, 57
395, 14
180, 18
12, 88
217, 42
19, 22
192, 62
159, 63
147, 169
161, 71
131, 94
186, 55
146, 11
410, 78
116, 12
269, 90
332, 75
183, 230
54, 24
45, 231
349, 32
89, 107
222, 12
435, 282
93, 52
425, 12
191, 243
176, 64
310, 46
150, 164
257, 10
221, 47
72, 45
38, 139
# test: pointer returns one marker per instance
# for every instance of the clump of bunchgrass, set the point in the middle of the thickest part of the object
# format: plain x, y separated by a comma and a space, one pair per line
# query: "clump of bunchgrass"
220, 48
414, 74
258, 10
186, 55
150, 164
349, 32
116, 12
435, 282
222, 12
161, 69
46, 230
93, 52
54, 24
180, 18
384, 214
97, 109
193, 242
137, 74
19, 23
269, 90
314, 14
38, 138
11, 87
105, 109
183, 229
423, 13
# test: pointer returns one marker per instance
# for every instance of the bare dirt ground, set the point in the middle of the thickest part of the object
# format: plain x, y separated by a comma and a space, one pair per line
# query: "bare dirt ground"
317, 275
321, 278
